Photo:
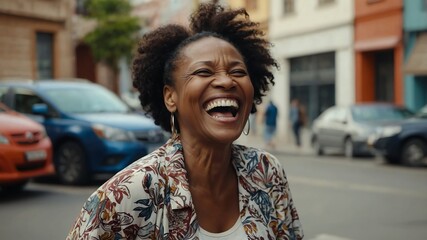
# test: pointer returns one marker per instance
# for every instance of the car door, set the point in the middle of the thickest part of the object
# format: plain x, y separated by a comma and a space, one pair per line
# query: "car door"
341, 123
325, 128
23, 100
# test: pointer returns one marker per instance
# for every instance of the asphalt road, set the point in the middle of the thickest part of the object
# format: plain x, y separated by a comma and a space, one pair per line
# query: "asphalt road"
345, 199
337, 199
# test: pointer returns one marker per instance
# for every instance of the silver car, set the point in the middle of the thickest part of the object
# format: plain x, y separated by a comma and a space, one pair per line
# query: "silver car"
347, 128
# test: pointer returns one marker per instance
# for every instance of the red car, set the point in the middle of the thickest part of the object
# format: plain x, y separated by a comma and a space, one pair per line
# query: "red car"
25, 150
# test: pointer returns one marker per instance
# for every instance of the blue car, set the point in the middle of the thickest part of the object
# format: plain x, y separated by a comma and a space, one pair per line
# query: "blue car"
91, 129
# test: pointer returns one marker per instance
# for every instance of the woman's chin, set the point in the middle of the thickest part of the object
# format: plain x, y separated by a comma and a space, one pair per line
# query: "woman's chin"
226, 137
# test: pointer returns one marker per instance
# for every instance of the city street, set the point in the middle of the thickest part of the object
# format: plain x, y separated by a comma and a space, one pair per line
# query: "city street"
337, 199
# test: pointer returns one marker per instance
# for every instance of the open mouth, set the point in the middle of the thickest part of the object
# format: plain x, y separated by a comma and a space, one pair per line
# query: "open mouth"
222, 108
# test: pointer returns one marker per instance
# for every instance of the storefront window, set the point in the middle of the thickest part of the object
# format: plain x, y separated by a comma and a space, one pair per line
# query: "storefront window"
312, 80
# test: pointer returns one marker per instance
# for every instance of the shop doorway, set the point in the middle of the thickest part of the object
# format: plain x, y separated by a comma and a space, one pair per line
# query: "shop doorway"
384, 76
85, 63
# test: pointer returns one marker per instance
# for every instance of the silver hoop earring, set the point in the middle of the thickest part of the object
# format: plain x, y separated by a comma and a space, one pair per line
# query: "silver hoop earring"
172, 122
248, 123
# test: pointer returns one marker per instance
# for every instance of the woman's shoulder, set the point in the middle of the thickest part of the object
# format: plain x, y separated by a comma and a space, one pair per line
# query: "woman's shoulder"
253, 155
243, 149
147, 170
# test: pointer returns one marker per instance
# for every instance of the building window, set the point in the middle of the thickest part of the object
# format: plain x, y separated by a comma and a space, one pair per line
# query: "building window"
81, 7
325, 2
251, 4
44, 55
288, 6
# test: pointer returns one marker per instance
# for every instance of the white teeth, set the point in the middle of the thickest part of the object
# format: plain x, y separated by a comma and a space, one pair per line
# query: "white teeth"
221, 102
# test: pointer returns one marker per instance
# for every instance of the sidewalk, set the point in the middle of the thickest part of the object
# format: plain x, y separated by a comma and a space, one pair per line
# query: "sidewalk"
283, 146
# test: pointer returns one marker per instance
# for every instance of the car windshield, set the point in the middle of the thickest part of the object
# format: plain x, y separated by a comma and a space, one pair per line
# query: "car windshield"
379, 113
422, 113
86, 100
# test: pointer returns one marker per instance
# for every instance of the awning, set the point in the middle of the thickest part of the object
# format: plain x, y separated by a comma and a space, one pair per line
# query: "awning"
377, 44
417, 61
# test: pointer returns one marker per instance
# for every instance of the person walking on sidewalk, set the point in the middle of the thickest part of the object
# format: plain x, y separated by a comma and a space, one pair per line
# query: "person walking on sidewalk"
270, 124
297, 119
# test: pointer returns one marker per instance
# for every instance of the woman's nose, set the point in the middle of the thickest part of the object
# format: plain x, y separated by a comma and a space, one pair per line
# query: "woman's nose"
224, 81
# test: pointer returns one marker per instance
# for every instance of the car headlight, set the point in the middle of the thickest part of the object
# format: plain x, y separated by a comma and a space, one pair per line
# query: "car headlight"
113, 134
362, 131
390, 131
3, 139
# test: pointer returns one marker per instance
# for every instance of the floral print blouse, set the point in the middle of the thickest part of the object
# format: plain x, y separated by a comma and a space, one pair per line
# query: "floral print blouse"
150, 199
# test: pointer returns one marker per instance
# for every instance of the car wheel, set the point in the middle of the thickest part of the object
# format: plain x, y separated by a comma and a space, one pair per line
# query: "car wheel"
14, 187
70, 163
348, 148
318, 150
414, 152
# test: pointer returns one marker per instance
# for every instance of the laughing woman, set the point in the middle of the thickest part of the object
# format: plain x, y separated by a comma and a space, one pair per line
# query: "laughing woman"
200, 83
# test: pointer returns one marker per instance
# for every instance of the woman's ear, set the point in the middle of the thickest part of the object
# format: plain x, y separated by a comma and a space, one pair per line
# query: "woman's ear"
169, 97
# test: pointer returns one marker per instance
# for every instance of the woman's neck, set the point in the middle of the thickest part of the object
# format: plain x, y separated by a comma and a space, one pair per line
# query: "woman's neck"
208, 166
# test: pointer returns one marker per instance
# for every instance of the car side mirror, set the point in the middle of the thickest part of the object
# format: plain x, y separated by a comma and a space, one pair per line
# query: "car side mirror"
40, 109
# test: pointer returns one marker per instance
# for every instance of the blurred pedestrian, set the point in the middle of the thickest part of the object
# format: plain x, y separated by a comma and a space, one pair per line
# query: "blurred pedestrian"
270, 117
297, 119
200, 83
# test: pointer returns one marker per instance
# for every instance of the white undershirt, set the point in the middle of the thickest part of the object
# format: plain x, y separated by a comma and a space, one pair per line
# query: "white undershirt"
235, 232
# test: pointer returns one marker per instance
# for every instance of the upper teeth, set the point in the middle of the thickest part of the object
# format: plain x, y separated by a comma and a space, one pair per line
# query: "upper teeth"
222, 103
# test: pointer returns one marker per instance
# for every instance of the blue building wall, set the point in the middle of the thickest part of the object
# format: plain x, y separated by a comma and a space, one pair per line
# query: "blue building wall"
414, 15
414, 22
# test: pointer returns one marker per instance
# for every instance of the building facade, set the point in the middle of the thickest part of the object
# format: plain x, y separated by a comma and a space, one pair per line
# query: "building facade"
415, 40
379, 51
36, 41
258, 10
313, 42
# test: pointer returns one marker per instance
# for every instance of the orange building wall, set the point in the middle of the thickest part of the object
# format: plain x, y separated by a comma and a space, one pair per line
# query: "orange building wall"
383, 25
364, 77
378, 26
365, 8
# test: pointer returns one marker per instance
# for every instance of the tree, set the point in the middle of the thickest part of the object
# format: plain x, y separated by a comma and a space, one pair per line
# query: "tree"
115, 35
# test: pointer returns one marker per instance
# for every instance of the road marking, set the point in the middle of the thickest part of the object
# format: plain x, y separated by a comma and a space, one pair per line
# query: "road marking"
355, 186
324, 236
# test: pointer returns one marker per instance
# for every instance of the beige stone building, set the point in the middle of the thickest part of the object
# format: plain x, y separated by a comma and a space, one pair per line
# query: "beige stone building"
258, 10
36, 40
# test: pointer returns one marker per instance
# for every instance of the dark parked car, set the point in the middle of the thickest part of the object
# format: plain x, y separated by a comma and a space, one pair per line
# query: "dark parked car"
404, 143
91, 129
422, 113
347, 128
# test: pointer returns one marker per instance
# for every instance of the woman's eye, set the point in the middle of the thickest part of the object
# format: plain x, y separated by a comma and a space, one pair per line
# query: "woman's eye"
203, 72
238, 73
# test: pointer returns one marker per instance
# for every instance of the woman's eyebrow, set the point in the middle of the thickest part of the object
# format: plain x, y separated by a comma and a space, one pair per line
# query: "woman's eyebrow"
210, 62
